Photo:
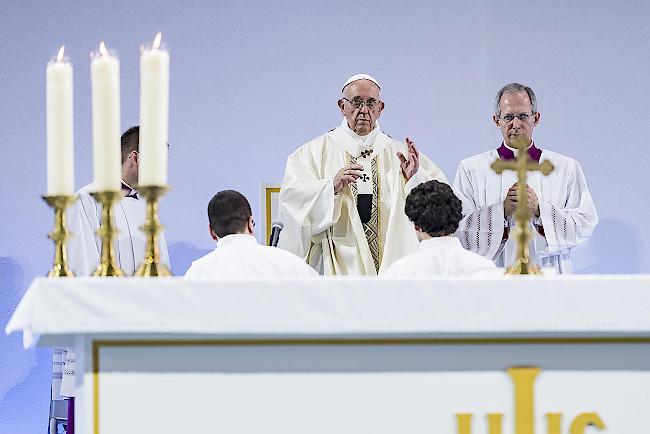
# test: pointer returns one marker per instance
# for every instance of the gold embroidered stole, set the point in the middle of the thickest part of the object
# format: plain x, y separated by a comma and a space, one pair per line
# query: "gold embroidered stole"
372, 228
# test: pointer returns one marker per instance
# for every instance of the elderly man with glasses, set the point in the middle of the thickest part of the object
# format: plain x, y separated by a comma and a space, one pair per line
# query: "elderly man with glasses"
562, 211
343, 193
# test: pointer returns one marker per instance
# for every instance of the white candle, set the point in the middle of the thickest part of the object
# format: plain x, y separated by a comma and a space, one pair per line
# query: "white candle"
60, 162
107, 161
154, 115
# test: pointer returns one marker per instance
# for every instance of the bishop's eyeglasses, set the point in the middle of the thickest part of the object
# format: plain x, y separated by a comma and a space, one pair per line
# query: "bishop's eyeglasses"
357, 103
523, 117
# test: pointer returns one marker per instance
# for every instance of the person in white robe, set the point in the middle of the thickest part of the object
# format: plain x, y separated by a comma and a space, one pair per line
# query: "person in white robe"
343, 193
563, 214
435, 212
84, 246
238, 252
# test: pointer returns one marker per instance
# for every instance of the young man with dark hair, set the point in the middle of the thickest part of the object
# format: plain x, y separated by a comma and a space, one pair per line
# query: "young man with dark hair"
237, 252
435, 212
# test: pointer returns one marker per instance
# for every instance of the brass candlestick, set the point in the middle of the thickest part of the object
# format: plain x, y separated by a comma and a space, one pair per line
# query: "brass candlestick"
59, 234
107, 265
522, 233
152, 267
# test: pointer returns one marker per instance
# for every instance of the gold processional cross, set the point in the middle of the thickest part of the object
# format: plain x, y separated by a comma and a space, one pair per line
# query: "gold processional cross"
522, 164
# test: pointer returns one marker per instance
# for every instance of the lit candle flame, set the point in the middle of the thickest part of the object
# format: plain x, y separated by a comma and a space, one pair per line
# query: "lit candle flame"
102, 49
156, 41
59, 57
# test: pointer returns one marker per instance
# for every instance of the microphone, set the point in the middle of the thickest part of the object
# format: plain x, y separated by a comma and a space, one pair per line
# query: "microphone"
276, 227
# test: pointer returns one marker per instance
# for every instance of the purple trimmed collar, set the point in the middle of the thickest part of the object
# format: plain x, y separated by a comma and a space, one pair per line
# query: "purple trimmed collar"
506, 153
129, 191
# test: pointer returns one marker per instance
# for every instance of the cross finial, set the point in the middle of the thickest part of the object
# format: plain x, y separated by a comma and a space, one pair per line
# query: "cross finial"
522, 165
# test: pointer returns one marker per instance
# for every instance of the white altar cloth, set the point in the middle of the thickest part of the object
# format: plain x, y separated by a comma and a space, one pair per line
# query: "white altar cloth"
350, 355
495, 305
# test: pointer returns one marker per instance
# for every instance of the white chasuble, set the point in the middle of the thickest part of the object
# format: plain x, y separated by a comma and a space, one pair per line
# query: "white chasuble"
567, 212
84, 246
325, 229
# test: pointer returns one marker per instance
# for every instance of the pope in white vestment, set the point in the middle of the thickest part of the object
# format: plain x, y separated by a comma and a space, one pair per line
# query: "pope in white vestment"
562, 209
343, 193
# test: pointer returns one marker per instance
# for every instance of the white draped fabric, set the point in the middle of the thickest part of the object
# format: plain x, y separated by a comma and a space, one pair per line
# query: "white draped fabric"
544, 305
84, 247
325, 229
241, 255
567, 212
440, 256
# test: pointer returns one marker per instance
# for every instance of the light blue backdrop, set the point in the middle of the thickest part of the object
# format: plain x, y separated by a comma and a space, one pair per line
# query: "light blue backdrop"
251, 81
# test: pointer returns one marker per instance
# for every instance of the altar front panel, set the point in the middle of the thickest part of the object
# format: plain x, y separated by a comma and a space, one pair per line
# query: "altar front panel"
376, 386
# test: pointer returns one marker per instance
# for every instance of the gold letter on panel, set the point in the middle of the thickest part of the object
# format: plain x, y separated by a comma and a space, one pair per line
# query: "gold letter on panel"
583, 420
464, 423
524, 381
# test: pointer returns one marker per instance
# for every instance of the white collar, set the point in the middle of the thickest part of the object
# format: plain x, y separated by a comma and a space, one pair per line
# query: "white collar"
234, 239
515, 150
438, 242
367, 140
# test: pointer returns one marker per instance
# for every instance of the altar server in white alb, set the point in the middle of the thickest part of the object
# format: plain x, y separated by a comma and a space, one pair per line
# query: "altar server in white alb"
84, 247
237, 253
342, 197
435, 212
562, 209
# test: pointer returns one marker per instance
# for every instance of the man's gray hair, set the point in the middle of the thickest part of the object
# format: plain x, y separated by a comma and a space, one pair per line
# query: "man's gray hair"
515, 87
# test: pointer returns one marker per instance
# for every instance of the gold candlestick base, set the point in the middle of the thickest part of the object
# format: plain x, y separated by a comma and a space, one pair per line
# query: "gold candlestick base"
521, 267
107, 265
59, 234
152, 267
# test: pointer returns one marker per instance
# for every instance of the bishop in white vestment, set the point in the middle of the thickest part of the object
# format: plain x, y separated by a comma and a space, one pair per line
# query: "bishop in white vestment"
343, 193
562, 209
237, 253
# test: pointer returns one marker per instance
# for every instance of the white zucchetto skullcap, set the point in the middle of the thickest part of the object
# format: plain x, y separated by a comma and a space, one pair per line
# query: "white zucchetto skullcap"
360, 77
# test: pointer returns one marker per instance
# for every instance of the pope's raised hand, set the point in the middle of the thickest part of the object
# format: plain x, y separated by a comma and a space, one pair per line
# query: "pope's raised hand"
346, 175
411, 164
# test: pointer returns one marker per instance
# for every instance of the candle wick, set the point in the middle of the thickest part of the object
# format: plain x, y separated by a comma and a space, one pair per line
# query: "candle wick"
59, 56
156, 41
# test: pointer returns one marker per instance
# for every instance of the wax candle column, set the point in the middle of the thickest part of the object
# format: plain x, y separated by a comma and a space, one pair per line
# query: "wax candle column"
59, 112
154, 115
105, 77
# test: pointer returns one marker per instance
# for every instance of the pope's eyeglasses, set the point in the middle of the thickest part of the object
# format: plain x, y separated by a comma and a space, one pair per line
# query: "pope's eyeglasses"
357, 103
